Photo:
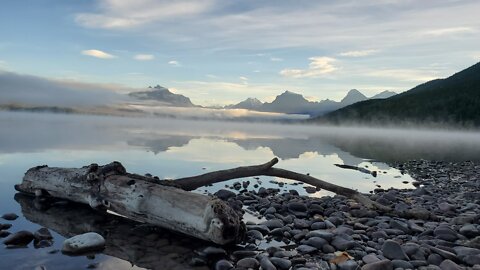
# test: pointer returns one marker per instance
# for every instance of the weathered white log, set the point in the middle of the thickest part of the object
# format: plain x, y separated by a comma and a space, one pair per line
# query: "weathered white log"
138, 198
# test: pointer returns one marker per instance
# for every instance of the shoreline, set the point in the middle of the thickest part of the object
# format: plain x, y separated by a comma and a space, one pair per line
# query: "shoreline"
337, 233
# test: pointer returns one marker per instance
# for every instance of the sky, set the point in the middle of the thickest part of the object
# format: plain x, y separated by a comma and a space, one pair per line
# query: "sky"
220, 52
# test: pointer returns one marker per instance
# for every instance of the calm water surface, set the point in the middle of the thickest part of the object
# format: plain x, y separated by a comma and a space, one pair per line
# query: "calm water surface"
170, 148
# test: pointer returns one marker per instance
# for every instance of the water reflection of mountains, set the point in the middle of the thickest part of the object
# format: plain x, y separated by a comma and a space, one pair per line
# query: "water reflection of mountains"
349, 149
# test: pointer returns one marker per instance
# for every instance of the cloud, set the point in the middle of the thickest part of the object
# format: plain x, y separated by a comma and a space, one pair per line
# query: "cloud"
358, 53
144, 57
449, 31
412, 75
119, 14
243, 78
174, 63
276, 59
32, 90
318, 67
98, 54
267, 24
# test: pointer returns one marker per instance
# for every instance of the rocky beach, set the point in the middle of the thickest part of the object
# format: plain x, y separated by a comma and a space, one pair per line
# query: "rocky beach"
434, 226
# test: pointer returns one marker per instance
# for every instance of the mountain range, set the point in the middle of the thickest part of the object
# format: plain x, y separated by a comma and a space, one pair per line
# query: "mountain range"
287, 102
163, 95
293, 103
454, 100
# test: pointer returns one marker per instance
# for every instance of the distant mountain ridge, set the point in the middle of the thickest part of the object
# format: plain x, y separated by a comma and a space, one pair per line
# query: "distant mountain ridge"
294, 103
162, 94
454, 100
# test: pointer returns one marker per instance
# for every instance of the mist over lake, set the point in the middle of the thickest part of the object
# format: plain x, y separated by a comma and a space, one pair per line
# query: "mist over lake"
170, 148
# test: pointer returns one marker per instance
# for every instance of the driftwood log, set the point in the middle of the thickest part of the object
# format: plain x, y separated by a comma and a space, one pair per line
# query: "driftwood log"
166, 203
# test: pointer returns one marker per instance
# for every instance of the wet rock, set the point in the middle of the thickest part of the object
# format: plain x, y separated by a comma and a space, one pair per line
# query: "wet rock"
213, 252
445, 233
472, 259
223, 265
10, 216
322, 234
281, 264
4, 233
301, 223
469, 230
224, 194
19, 239
343, 242
434, 259
87, 242
254, 234
380, 265
297, 207
306, 249
240, 254
42, 234
402, 264
316, 242
273, 223
266, 264
446, 207
248, 263
466, 251
392, 250
348, 265
198, 261
400, 225
370, 258
42, 243
449, 265
5, 226
261, 228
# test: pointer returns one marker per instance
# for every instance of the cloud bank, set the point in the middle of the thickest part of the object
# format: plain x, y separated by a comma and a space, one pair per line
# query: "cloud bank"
31, 90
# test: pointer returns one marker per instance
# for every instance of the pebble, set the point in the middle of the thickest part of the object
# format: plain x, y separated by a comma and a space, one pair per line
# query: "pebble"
280, 263
392, 250
18, 239
380, 265
306, 249
449, 265
10, 216
83, 243
223, 265
224, 194
266, 264
248, 263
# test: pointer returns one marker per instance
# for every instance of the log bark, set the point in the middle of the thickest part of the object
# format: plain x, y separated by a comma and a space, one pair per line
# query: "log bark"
166, 203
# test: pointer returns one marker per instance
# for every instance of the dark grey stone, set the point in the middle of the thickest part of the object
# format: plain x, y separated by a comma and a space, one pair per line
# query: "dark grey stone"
380, 265
224, 194
248, 263
223, 265
10, 216
392, 250
281, 264
306, 249
21, 238
266, 264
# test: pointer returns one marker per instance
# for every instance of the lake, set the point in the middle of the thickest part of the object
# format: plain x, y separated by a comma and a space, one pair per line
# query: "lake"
172, 148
